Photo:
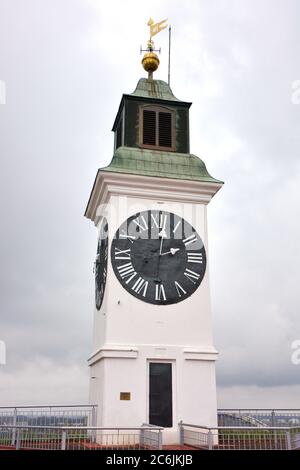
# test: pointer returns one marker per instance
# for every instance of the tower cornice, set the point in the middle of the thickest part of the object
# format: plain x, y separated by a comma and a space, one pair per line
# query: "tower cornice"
144, 187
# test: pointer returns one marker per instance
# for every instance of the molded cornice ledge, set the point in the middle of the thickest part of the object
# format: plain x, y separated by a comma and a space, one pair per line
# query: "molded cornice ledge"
200, 354
113, 351
146, 187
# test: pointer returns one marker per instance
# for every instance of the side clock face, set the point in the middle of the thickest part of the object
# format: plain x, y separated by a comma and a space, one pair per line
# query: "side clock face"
101, 264
158, 257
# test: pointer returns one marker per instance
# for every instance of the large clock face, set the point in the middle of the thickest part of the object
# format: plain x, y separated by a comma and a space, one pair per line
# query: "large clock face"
101, 264
158, 257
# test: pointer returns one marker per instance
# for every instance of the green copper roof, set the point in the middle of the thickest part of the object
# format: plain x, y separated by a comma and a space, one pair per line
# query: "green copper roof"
161, 164
157, 89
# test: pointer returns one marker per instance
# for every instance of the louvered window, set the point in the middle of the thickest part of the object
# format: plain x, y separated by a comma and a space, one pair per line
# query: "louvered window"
157, 128
149, 128
165, 130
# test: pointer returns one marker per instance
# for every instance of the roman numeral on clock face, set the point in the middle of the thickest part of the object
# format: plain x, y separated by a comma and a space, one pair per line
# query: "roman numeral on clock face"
189, 240
155, 220
140, 286
191, 275
163, 221
159, 221
194, 257
122, 254
127, 271
180, 290
177, 226
123, 234
141, 223
160, 292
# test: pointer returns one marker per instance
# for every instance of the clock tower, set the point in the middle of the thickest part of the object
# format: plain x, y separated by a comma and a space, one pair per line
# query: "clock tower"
153, 358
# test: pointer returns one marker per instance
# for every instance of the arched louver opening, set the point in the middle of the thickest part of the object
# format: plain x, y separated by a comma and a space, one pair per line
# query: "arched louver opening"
149, 128
157, 129
165, 129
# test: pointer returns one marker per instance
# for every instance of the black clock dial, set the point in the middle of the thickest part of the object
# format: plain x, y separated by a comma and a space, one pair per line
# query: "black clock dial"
101, 264
158, 257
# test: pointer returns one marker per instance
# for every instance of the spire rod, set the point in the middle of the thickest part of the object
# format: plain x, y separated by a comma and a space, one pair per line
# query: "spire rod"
169, 62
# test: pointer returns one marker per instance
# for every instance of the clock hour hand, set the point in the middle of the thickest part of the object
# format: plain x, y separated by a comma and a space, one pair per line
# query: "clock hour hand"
172, 251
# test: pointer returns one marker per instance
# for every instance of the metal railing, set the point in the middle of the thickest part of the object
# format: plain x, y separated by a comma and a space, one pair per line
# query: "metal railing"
151, 436
240, 438
51, 415
259, 417
80, 438
56, 415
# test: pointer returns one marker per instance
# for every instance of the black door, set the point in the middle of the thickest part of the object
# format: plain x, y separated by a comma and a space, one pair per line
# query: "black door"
160, 395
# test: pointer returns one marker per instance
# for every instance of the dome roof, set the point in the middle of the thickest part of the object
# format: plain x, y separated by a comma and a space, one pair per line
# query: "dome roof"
157, 89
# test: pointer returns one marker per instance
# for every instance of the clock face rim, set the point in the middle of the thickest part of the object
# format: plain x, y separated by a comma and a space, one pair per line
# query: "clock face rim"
102, 250
128, 287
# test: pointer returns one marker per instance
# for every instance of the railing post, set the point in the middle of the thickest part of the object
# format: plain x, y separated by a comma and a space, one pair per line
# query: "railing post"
13, 437
159, 440
63, 440
288, 440
142, 437
94, 423
94, 416
273, 419
210, 440
181, 433
17, 442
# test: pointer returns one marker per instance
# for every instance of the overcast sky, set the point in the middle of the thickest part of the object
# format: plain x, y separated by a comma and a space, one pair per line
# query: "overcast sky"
65, 65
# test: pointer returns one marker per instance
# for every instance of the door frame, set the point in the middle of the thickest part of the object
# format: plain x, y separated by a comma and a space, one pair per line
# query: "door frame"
174, 389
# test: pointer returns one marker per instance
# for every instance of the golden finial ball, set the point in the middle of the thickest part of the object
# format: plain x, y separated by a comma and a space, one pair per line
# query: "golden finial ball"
150, 62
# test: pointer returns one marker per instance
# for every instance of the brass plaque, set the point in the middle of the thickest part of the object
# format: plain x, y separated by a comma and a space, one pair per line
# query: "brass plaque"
125, 396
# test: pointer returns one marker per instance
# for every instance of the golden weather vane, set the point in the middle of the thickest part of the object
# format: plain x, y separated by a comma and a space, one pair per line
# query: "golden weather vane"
156, 28
150, 60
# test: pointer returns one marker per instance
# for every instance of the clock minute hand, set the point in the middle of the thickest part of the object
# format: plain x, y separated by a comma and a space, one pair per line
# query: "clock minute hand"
163, 235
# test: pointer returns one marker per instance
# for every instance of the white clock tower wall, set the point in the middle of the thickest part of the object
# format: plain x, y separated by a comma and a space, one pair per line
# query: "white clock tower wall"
129, 334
